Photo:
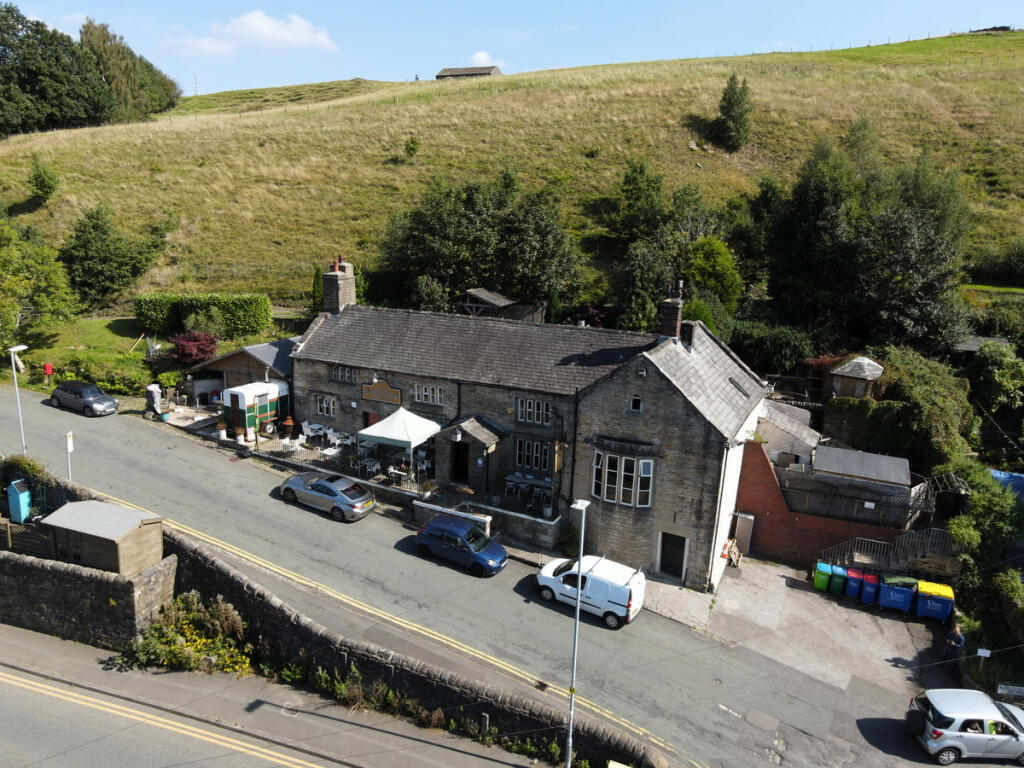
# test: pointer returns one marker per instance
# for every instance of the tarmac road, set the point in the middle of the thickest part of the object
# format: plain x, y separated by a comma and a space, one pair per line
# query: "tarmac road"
705, 702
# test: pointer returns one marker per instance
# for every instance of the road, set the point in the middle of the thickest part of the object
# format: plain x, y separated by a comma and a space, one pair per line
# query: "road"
692, 693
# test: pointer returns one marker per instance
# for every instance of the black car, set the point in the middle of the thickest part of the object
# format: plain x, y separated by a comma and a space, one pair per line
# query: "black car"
84, 397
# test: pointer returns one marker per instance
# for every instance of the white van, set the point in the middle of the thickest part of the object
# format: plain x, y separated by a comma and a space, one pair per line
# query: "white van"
610, 590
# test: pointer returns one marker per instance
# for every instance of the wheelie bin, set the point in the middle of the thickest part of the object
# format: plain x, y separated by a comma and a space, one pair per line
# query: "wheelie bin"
869, 590
934, 601
854, 577
897, 592
822, 573
837, 583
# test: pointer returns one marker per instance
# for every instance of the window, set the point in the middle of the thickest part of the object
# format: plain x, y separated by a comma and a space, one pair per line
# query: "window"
343, 374
325, 405
532, 454
533, 411
635, 403
622, 479
428, 394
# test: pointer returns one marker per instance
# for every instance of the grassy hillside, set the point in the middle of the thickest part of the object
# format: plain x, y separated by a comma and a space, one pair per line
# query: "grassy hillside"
265, 184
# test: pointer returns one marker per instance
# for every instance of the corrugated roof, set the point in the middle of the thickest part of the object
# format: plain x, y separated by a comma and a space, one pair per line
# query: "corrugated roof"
867, 466
860, 368
711, 377
455, 71
97, 518
544, 358
493, 298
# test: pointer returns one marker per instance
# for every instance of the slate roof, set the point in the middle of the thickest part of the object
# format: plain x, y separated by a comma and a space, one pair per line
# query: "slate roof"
491, 298
555, 359
718, 384
276, 354
468, 71
795, 424
866, 466
860, 368
481, 430
97, 518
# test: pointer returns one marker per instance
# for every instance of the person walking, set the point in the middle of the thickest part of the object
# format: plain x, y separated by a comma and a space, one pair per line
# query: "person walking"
954, 642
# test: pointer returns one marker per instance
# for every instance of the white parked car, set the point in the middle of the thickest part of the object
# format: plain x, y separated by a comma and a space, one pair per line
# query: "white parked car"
611, 590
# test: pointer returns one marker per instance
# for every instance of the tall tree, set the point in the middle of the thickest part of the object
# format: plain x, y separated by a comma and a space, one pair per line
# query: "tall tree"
33, 284
732, 128
642, 209
47, 80
481, 235
99, 260
861, 253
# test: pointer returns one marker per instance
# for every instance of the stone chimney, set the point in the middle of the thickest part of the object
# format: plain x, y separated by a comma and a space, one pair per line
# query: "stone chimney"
671, 315
339, 286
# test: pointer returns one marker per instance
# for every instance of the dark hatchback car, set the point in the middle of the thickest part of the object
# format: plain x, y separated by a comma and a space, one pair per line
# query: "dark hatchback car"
463, 542
83, 397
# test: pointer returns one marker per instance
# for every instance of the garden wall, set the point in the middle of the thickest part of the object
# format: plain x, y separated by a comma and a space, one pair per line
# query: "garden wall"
293, 636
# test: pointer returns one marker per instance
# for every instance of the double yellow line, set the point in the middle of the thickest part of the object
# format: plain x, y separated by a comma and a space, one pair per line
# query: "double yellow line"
200, 734
502, 666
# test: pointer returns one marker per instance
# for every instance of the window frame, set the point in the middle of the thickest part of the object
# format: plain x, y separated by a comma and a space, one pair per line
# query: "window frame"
627, 481
533, 454
533, 411
326, 405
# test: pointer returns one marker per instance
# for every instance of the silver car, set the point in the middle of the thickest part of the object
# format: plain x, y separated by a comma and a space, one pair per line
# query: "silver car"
341, 497
951, 723
84, 397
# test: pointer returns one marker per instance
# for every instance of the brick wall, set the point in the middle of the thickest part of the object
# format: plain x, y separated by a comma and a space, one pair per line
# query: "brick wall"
786, 536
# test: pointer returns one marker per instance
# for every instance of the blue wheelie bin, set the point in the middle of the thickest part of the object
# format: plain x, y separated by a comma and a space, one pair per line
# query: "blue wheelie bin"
897, 592
854, 577
869, 590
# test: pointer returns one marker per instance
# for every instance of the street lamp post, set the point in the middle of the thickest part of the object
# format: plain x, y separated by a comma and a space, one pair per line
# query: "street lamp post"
580, 505
17, 398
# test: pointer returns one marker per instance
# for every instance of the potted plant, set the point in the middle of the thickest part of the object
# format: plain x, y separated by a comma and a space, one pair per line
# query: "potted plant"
222, 425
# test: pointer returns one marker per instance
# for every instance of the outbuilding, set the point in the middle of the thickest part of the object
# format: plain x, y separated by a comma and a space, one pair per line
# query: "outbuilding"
105, 536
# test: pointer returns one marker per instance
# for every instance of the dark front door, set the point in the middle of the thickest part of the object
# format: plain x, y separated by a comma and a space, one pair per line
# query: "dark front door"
460, 463
369, 419
673, 552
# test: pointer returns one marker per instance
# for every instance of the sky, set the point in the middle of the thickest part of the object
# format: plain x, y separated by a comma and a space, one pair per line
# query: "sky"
228, 45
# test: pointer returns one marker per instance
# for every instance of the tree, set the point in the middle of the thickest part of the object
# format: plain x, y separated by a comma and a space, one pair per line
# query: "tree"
193, 347
642, 209
43, 181
859, 253
997, 377
47, 80
644, 286
732, 128
489, 235
33, 285
98, 259
707, 266
316, 302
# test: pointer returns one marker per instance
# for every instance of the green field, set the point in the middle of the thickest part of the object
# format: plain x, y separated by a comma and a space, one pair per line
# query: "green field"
264, 184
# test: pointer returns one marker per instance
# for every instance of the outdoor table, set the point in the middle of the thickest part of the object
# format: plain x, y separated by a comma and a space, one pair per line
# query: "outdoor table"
372, 465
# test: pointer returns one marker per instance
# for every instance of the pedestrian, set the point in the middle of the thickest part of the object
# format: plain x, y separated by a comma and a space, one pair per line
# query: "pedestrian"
955, 640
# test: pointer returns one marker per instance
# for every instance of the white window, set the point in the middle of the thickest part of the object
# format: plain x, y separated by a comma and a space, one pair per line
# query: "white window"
532, 454
428, 393
533, 411
325, 405
622, 479
343, 374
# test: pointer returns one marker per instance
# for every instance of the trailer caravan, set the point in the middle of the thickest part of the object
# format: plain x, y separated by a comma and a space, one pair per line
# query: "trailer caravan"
254, 406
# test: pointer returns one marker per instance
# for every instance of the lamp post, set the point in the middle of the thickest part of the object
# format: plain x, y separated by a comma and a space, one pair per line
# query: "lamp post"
17, 397
580, 505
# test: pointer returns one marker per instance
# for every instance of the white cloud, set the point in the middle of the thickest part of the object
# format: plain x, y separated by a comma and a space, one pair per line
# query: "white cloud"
258, 27
484, 59
205, 45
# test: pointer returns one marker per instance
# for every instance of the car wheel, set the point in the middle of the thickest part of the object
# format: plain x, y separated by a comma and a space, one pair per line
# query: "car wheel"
612, 620
476, 569
88, 411
289, 495
423, 550
337, 515
1020, 759
54, 402
948, 756
547, 594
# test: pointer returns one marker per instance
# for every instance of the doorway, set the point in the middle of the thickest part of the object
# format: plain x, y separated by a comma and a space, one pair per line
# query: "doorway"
370, 418
460, 463
672, 555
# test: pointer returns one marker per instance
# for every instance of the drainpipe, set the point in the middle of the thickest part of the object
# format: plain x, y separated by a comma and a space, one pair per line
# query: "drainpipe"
718, 517
575, 433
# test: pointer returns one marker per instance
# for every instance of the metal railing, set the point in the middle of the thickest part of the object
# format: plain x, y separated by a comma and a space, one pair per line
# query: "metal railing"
895, 555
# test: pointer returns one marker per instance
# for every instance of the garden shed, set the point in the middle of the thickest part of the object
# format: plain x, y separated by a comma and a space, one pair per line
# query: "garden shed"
105, 536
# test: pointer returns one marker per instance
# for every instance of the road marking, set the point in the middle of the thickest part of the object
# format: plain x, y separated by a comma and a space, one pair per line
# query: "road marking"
502, 666
200, 734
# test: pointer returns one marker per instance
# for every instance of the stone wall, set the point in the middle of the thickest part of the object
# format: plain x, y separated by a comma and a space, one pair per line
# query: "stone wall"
94, 607
293, 636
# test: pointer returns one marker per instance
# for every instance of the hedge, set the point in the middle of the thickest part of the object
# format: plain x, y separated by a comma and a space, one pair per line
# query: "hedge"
165, 313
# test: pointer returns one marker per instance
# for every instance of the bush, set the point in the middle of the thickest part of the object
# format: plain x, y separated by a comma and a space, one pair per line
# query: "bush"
769, 348
241, 314
157, 313
42, 180
192, 347
732, 128
1009, 586
124, 375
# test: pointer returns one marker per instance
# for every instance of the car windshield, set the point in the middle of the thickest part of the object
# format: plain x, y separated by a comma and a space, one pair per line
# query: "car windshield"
566, 566
933, 715
353, 492
1008, 714
477, 539
93, 391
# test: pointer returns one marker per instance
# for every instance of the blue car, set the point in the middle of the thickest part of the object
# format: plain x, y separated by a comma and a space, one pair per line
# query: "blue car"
463, 542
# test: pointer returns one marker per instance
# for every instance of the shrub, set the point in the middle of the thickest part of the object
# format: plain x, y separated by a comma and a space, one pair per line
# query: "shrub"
1009, 586
769, 348
42, 180
241, 314
193, 347
209, 320
157, 312
732, 128
412, 146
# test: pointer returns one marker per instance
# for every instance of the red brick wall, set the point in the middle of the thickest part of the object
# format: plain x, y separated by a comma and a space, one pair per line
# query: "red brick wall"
783, 535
